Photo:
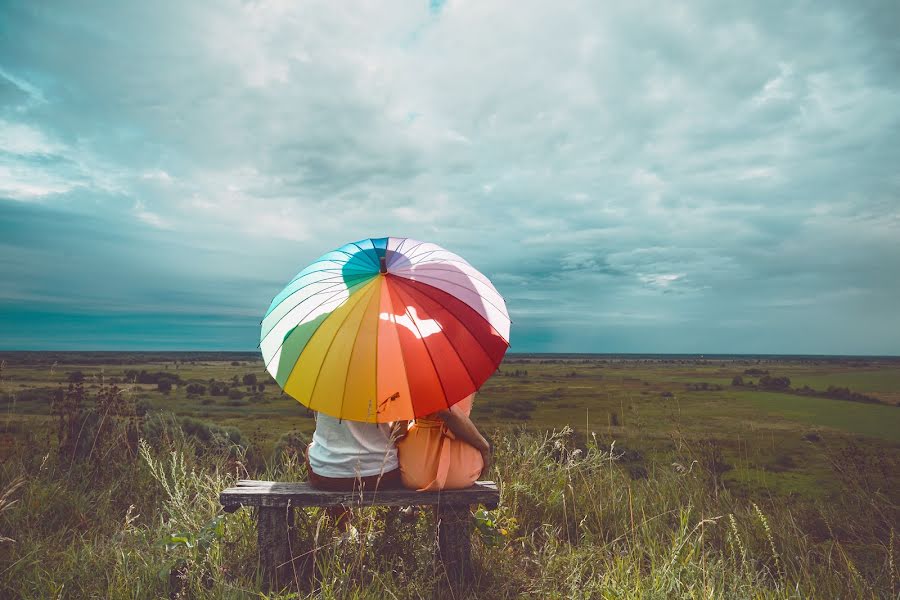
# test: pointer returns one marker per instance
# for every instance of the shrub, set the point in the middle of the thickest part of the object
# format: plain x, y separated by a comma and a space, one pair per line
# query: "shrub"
774, 383
235, 394
196, 389
165, 429
755, 372
143, 376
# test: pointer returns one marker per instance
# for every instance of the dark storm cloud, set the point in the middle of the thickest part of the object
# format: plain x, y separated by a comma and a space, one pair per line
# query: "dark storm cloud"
693, 178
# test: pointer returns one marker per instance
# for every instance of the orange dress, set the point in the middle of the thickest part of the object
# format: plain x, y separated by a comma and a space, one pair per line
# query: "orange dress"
431, 458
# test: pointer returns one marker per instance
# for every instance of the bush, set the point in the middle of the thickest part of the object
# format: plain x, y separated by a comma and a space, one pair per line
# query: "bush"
218, 388
164, 386
774, 383
164, 429
196, 389
235, 394
143, 376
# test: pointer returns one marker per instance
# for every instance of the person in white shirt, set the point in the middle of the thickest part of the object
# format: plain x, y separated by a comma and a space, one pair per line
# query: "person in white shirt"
348, 455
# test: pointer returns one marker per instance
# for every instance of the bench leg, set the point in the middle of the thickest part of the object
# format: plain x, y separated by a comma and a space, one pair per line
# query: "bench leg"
273, 529
455, 541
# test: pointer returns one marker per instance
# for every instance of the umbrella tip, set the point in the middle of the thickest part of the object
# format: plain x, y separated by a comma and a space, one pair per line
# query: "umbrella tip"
383, 264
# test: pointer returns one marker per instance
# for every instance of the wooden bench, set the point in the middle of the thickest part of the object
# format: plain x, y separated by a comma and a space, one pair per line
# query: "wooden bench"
275, 502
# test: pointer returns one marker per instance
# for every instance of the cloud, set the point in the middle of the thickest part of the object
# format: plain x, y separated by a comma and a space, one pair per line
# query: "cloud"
630, 176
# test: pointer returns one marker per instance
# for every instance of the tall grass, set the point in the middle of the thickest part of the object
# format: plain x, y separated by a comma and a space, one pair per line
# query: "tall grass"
572, 523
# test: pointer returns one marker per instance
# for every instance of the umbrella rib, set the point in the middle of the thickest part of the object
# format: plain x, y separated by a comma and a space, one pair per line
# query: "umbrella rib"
312, 392
366, 253
423, 268
412, 292
353, 349
427, 252
336, 279
502, 311
430, 357
405, 254
464, 324
377, 333
301, 274
396, 251
329, 288
402, 359
281, 345
299, 277
432, 251
320, 260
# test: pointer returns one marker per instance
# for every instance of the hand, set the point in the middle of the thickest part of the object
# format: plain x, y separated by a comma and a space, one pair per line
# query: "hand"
486, 458
399, 430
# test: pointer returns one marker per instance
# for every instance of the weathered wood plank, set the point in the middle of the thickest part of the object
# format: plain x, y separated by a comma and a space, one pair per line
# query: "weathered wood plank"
455, 543
273, 530
280, 494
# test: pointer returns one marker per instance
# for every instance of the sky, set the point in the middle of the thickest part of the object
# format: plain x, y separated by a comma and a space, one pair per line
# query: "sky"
633, 177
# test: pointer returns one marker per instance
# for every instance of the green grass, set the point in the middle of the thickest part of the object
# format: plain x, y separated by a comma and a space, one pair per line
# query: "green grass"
825, 472
572, 523
878, 421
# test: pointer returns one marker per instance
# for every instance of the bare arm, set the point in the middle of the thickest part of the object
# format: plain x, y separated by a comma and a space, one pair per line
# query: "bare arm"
464, 429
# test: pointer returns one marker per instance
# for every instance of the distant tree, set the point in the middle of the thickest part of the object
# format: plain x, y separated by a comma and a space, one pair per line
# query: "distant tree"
76, 377
755, 372
260, 387
164, 386
235, 394
737, 381
249, 379
235, 363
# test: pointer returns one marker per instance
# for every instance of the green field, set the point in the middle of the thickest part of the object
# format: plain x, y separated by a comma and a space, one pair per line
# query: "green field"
781, 442
661, 478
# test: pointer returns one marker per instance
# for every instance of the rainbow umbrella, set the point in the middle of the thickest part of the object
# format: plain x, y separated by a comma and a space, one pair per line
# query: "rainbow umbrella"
385, 329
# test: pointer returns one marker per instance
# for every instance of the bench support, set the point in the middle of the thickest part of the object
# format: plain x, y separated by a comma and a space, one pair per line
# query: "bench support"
455, 541
274, 526
275, 503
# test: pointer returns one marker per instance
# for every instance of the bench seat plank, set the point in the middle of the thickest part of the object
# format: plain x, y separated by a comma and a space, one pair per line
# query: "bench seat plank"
274, 494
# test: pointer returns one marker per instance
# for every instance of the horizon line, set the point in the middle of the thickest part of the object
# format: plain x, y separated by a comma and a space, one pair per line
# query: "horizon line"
513, 354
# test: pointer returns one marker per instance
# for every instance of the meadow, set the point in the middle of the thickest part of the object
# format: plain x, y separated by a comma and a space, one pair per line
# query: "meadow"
621, 476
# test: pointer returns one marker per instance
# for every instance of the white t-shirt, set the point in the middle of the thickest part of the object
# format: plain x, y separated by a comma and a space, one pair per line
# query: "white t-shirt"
351, 449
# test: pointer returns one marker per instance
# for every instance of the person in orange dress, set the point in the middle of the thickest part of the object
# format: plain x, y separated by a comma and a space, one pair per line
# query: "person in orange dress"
444, 451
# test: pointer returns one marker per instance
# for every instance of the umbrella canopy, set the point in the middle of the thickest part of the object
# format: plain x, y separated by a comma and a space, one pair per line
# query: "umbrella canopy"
385, 329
